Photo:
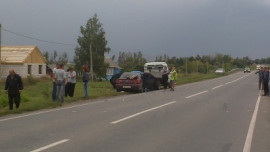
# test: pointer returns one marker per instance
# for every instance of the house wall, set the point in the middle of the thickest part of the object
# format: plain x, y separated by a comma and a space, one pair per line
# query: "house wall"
35, 57
109, 73
22, 70
35, 70
18, 68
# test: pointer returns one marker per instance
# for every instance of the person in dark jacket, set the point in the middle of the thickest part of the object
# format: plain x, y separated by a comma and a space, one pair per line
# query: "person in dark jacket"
165, 76
266, 80
85, 79
260, 73
13, 87
114, 78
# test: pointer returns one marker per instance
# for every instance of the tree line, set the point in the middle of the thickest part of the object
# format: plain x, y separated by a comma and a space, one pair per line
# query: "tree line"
192, 64
53, 57
131, 61
92, 46
205, 63
263, 61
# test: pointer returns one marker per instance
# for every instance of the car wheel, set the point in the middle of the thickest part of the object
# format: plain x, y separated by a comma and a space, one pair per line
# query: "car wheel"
157, 85
141, 89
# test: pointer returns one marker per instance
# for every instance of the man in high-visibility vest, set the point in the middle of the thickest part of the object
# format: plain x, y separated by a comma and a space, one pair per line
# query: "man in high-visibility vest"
173, 78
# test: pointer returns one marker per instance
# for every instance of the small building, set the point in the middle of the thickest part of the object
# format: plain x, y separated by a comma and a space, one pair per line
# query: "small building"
112, 69
25, 60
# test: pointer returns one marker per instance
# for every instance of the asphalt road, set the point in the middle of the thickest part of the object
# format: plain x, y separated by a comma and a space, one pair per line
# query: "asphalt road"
220, 115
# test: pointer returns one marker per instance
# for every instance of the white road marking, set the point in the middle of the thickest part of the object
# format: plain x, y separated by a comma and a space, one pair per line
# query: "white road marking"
50, 146
137, 114
65, 108
217, 87
229, 82
234, 80
48, 111
196, 94
209, 80
237, 79
249, 137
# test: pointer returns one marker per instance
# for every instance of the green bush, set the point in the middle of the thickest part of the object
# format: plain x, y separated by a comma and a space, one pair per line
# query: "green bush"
30, 80
3, 100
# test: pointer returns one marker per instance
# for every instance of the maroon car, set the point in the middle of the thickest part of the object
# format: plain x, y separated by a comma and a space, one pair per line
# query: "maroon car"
130, 81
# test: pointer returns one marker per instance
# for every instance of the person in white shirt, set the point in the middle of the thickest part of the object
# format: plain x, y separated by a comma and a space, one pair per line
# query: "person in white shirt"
60, 79
71, 82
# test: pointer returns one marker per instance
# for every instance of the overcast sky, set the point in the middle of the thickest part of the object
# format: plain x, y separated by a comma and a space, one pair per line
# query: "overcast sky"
176, 27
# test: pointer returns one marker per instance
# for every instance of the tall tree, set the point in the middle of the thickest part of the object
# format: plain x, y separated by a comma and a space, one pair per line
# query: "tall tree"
131, 61
113, 57
53, 57
93, 33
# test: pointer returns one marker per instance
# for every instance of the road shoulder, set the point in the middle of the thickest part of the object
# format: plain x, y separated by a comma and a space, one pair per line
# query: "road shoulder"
261, 138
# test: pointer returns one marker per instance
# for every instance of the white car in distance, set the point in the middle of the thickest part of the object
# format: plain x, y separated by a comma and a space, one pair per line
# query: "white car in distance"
220, 71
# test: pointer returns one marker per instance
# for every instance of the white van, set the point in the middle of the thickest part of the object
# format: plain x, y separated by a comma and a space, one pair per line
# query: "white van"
258, 67
155, 68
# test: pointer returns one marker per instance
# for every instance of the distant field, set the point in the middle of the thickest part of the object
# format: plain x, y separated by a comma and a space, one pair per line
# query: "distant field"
37, 92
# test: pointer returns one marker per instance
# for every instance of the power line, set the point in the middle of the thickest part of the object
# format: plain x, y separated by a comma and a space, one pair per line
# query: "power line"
29, 37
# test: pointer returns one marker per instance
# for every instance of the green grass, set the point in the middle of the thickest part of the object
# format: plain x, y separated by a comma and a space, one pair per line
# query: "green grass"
195, 77
37, 92
37, 95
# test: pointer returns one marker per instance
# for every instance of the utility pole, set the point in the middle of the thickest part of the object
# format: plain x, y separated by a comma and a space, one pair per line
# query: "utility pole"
91, 63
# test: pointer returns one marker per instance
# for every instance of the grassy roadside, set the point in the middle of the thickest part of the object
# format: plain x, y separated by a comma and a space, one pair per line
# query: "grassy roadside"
37, 95
195, 77
37, 92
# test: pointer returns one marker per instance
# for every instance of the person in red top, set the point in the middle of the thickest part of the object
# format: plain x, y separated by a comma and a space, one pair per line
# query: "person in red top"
85, 79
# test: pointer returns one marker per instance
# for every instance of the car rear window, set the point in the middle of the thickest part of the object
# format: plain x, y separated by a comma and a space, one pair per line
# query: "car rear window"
130, 76
158, 67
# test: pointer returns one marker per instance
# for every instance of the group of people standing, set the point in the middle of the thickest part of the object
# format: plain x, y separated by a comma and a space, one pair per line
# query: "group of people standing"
64, 82
264, 80
169, 75
63, 85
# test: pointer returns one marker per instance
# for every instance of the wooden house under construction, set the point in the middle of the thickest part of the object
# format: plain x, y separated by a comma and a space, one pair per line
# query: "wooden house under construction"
25, 60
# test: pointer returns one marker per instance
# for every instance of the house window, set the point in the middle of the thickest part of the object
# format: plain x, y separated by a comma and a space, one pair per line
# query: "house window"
39, 69
29, 69
110, 71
